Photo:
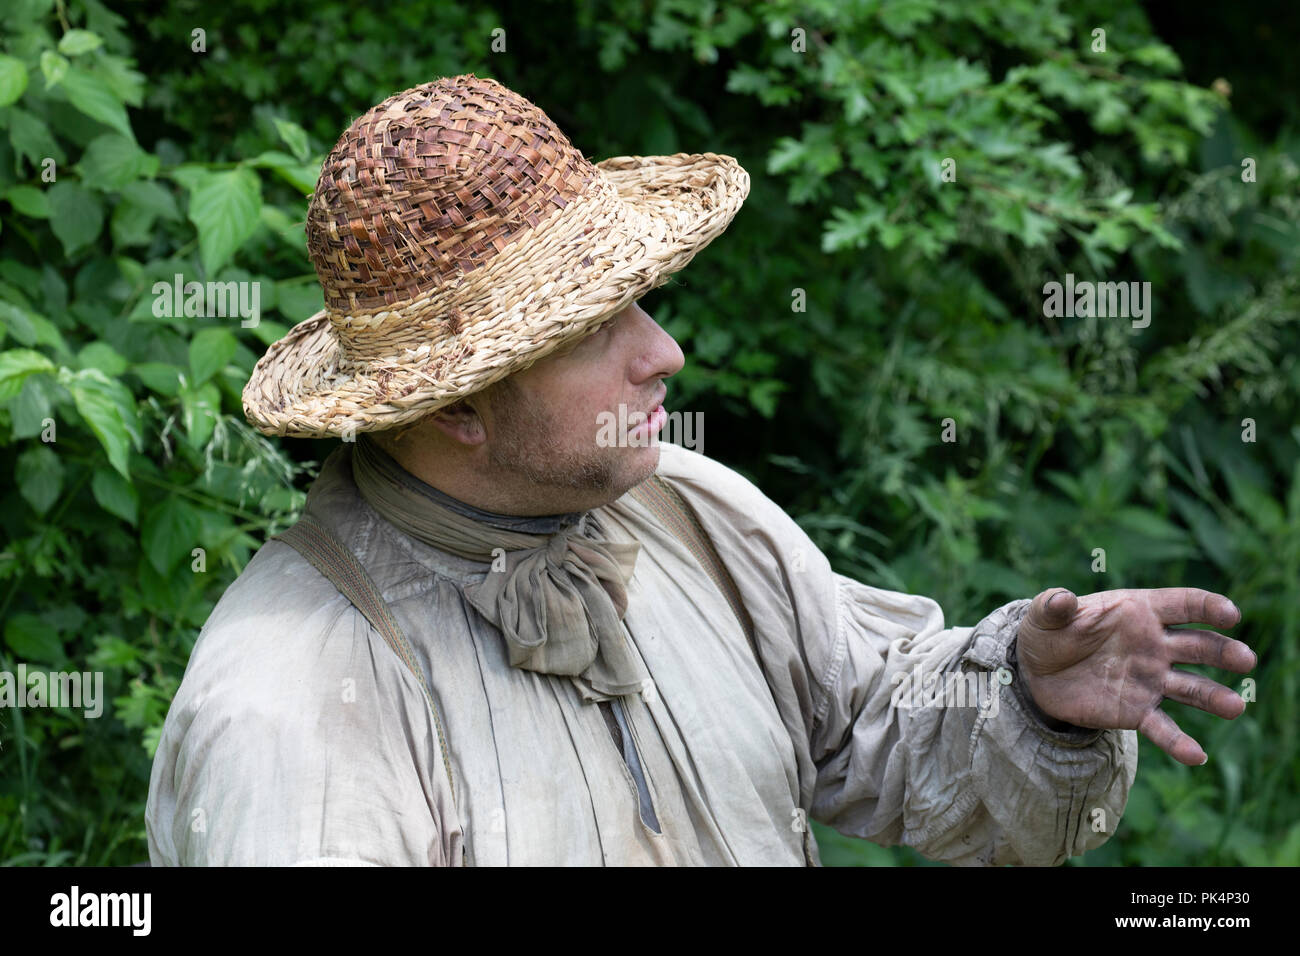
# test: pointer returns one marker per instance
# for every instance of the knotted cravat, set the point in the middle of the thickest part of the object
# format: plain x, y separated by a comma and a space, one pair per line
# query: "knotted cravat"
558, 598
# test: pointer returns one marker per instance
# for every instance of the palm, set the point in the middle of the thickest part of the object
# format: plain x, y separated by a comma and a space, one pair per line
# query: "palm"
1106, 660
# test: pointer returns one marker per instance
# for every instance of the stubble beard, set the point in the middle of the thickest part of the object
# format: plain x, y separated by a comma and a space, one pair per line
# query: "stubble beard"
529, 447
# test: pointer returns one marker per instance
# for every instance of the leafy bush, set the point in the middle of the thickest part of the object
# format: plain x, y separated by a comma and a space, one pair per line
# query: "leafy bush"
891, 296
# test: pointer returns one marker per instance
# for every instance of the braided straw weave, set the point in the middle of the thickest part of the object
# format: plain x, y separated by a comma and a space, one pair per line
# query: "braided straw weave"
459, 237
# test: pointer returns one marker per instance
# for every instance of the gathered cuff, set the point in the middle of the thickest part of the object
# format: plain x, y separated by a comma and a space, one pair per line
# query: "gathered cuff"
994, 648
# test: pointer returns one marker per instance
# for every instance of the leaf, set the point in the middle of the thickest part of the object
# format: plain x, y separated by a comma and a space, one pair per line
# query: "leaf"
1209, 532
111, 161
33, 639
850, 230
159, 377
901, 17
1037, 229
169, 533
29, 200
53, 67
16, 365
1149, 524
294, 136
115, 494
14, 322
200, 408
31, 407
13, 79
1157, 56
31, 328
76, 215
765, 395
113, 652
224, 207
268, 333
89, 94
142, 203
124, 82
109, 409
77, 42
39, 475
189, 175
302, 176
787, 153
31, 138
104, 357
299, 300
284, 227
153, 197
210, 350
942, 83
1253, 501
1058, 158
1067, 483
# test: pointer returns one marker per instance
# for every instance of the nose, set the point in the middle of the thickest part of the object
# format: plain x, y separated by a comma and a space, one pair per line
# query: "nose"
657, 353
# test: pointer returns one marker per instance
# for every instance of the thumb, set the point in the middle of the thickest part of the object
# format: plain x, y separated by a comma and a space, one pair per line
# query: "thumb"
1053, 609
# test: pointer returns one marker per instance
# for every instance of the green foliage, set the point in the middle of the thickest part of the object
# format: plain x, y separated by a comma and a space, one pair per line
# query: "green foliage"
894, 290
116, 425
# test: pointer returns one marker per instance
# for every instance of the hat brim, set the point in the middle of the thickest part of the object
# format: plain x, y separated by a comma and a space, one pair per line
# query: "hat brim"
646, 218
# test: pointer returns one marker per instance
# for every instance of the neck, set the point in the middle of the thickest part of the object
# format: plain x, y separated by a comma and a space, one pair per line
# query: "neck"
503, 484
537, 523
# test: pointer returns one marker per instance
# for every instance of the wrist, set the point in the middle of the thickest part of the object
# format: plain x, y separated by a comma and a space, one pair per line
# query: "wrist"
1020, 675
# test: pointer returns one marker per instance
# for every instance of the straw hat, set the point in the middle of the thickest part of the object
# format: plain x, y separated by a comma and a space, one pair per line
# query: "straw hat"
459, 237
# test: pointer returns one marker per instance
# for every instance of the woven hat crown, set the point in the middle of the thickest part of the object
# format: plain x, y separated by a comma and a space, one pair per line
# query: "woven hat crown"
433, 183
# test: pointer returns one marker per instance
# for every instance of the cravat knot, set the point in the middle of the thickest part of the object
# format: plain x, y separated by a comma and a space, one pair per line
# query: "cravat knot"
559, 601
558, 547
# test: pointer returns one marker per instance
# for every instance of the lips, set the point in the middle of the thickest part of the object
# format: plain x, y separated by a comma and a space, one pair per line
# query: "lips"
654, 418
664, 394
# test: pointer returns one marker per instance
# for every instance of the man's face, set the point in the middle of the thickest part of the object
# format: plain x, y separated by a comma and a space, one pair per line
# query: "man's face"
549, 426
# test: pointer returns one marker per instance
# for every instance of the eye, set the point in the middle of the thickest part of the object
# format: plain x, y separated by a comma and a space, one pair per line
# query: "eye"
582, 339
597, 331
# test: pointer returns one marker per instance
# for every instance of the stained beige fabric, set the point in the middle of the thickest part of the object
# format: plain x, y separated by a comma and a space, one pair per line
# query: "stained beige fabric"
298, 737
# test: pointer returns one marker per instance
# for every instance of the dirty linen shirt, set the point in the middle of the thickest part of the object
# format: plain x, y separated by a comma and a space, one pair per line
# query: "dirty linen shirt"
298, 737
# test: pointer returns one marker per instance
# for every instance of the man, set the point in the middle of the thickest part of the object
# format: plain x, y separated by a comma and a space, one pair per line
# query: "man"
502, 639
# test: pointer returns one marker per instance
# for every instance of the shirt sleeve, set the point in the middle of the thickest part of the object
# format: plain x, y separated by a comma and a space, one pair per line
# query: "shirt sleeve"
297, 738
968, 775
926, 737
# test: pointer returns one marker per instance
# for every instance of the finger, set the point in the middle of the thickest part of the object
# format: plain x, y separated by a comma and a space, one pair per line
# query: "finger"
1160, 729
1194, 606
1203, 694
1053, 609
1190, 646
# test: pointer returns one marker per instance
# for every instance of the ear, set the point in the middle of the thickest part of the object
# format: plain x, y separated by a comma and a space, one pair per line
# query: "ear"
460, 422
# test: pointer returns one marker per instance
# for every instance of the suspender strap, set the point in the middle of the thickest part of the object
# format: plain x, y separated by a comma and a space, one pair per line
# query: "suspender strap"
679, 518
333, 559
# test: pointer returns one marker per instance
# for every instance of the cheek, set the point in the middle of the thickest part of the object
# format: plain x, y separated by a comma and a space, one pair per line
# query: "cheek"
586, 396
594, 413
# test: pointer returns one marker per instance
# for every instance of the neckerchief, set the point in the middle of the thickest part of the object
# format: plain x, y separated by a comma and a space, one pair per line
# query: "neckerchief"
558, 598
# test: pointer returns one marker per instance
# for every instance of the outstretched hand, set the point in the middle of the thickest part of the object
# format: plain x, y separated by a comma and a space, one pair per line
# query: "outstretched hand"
1105, 660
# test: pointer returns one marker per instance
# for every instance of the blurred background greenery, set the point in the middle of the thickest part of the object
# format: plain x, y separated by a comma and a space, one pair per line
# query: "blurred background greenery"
923, 301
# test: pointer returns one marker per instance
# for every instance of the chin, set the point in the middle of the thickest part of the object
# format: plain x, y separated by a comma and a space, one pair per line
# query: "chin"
639, 465
649, 456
